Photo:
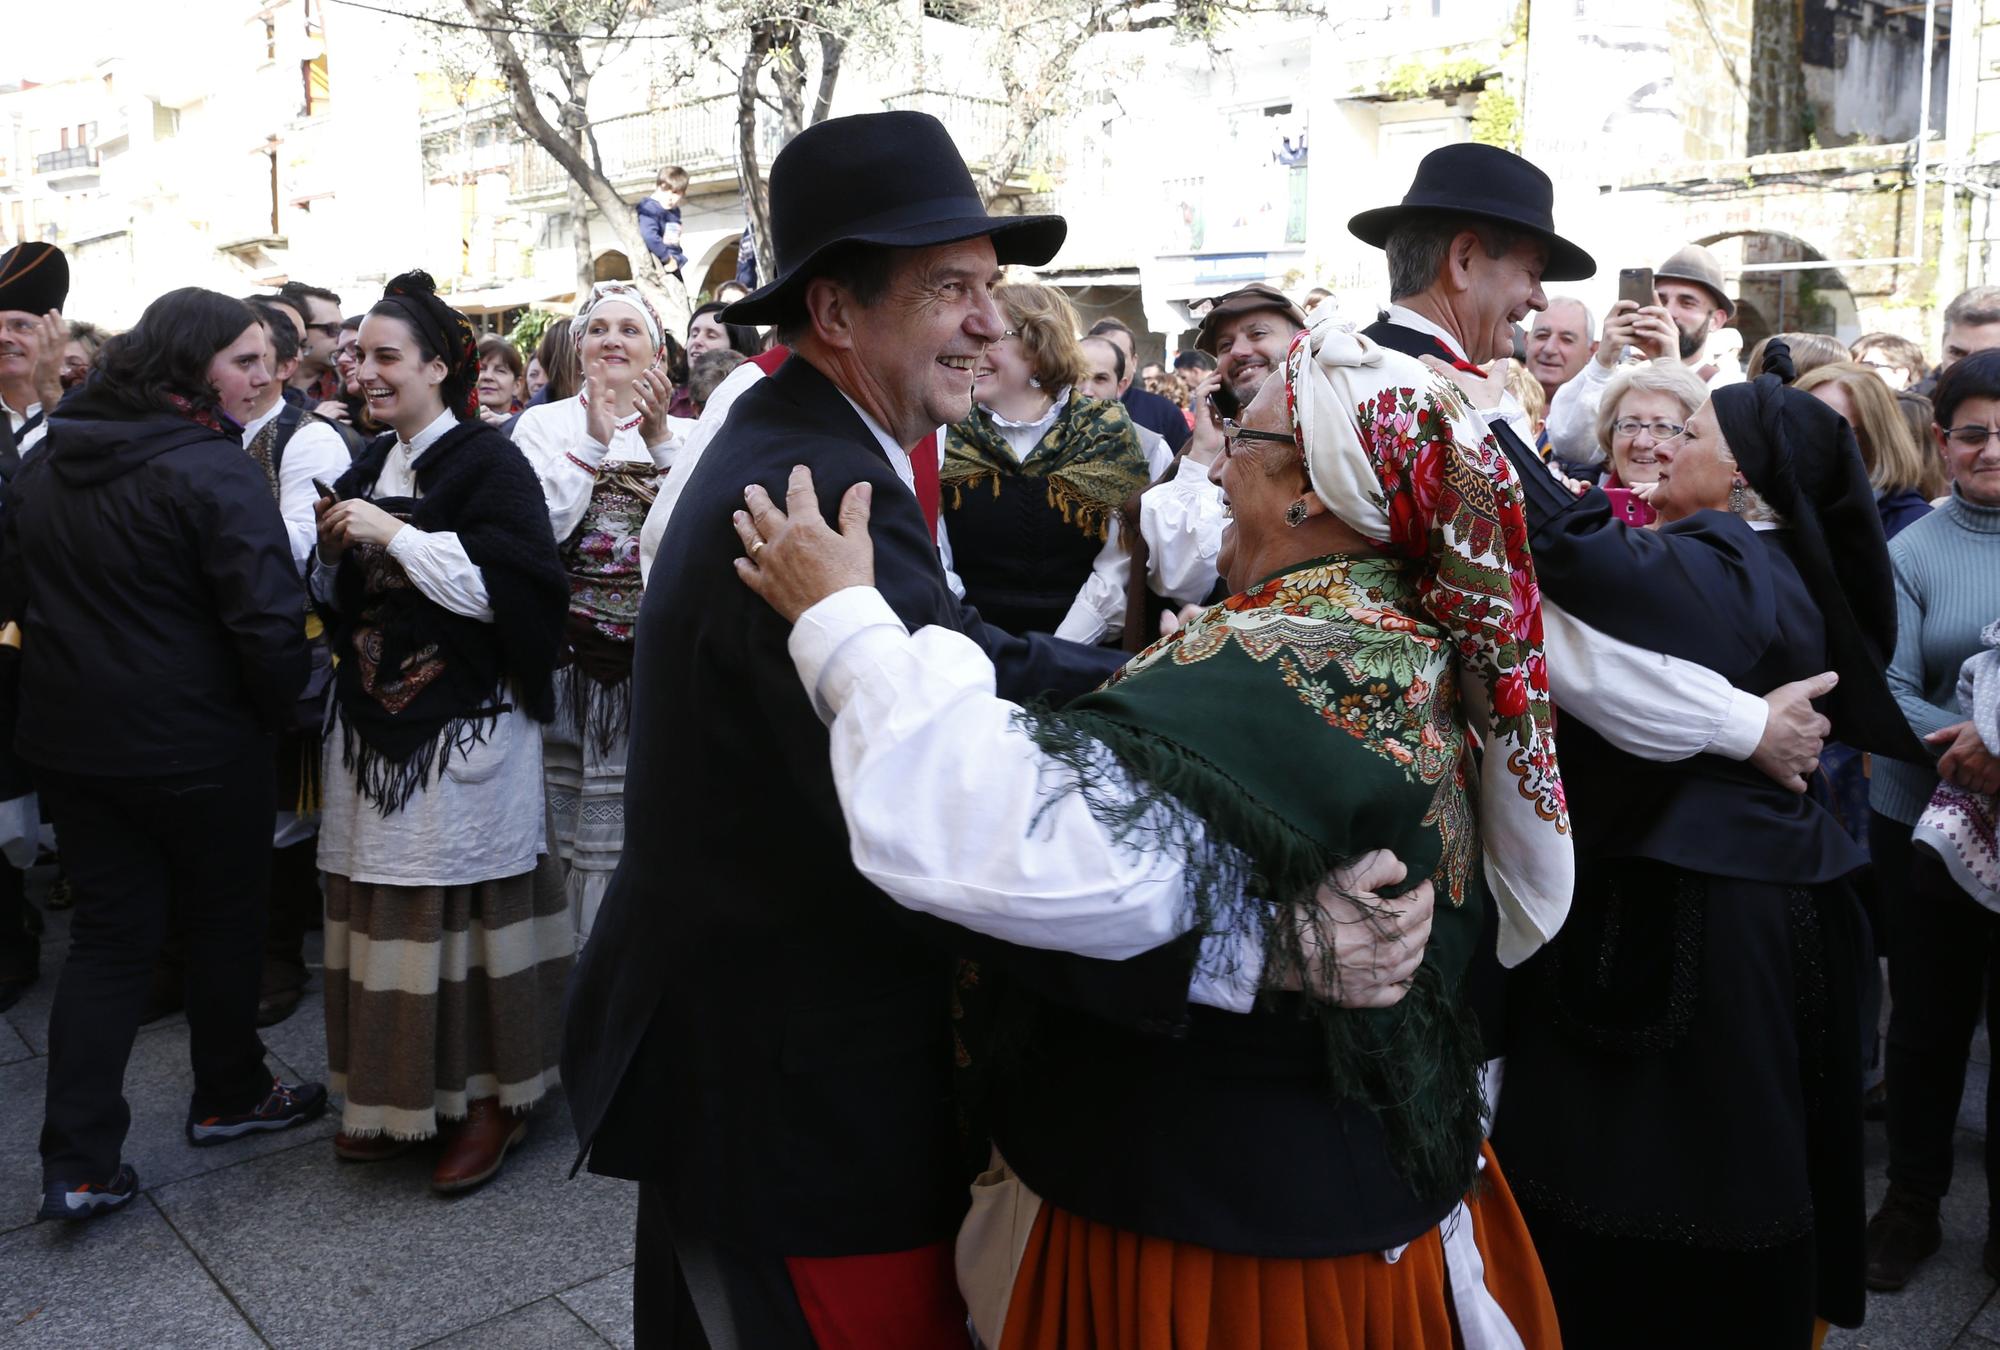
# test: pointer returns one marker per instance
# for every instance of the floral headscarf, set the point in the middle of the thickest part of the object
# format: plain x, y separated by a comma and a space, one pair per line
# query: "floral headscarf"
1397, 454
624, 293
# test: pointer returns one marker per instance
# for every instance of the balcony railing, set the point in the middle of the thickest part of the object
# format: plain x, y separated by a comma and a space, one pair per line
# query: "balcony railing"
978, 126
75, 157
699, 136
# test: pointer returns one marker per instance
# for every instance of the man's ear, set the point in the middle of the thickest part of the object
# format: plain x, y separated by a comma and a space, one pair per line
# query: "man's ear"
830, 308
1458, 260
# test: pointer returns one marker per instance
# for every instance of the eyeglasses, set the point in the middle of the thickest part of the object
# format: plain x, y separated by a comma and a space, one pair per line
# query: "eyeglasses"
1232, 433
332, 330
1659, 431
1972, 438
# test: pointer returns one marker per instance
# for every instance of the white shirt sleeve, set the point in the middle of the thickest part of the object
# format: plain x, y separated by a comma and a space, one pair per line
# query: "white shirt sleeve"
1183, 520
951, 577
564, 458
1654, 706
1572, 421
314, 451
437, 566
1099, 608
1000, 847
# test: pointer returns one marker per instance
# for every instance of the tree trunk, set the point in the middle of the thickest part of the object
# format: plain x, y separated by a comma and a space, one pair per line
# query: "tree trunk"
585, 179
831, 48
756, 202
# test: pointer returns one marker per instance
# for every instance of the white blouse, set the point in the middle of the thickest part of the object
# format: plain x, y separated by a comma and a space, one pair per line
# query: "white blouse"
556, 439
481, 817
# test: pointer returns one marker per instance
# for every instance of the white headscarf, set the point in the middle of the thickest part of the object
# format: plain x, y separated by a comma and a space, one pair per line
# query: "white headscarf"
1395, 452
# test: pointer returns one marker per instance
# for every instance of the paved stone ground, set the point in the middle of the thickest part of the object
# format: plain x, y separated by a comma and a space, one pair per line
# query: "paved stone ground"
273, 1242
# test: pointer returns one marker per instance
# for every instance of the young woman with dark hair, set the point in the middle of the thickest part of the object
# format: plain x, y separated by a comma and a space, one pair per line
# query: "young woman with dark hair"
445, 601
149, 570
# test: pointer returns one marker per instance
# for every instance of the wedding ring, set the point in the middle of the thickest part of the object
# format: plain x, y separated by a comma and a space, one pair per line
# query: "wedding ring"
756, 547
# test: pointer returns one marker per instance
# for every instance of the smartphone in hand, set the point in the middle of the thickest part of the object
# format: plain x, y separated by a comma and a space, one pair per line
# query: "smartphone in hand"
325, 490
1626, 505
1636, 284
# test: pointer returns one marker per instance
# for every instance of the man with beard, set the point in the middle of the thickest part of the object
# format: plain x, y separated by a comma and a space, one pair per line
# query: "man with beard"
1248, 331
1693, 305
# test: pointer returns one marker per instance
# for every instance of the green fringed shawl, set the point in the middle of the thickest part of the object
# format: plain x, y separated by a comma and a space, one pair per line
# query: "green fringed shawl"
1283, 732
1091, 458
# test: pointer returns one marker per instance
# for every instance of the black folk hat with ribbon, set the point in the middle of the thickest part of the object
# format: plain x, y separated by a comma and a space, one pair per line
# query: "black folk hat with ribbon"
1482, 182
891, 178
34, 277
1802, 459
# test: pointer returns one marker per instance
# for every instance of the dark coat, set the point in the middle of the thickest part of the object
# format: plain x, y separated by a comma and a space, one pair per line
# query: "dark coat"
752, 1025
1158, 414
661, 242
162, 618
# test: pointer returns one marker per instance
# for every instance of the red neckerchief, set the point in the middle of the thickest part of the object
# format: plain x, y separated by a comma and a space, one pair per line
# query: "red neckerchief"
1457, 362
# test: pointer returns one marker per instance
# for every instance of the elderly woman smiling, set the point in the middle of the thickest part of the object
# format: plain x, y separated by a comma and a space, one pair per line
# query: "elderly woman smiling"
1266, 1159
1643, 407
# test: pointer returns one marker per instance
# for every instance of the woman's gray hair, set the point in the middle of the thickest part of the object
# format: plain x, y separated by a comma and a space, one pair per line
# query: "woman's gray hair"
1651, 377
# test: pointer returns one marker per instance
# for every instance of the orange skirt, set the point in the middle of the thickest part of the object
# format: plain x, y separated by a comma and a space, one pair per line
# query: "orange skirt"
1088, 1286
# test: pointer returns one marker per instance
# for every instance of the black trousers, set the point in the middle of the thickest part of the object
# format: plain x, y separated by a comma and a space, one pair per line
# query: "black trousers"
18, 947
1945, 967
199, 843
692, 1294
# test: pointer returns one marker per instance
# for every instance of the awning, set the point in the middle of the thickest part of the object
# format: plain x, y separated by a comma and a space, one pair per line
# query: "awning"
514, 295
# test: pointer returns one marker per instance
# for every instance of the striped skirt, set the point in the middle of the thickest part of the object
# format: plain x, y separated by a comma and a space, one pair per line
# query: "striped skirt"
586, 787
438, 996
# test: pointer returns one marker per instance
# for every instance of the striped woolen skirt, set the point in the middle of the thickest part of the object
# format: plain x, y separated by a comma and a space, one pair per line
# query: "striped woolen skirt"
438, 996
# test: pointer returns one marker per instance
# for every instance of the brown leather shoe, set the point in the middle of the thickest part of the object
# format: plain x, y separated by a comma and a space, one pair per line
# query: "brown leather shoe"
373, 1148
475, 1147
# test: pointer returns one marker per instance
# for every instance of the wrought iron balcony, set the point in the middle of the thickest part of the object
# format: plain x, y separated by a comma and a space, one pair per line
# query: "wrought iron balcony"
74, 157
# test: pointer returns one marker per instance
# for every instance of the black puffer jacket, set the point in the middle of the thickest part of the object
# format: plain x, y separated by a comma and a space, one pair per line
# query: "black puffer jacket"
162, 618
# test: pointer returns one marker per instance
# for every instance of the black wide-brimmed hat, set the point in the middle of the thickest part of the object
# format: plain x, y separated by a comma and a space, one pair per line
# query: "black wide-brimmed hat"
33, 277
1486, 183
891, 178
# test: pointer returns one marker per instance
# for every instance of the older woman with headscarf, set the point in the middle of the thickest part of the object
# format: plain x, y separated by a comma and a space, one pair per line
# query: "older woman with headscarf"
447, 947
1680, 1113
601, 456
1286, 1170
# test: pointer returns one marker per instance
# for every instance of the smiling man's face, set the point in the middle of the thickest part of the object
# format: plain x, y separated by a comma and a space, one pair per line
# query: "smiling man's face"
1248, 347
920, 341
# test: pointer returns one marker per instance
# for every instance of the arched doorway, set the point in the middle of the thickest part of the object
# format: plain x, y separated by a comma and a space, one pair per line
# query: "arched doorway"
611, 265
1789, 300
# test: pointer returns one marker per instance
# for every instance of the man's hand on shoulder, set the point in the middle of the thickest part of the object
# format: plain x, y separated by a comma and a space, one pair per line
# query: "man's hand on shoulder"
792, 559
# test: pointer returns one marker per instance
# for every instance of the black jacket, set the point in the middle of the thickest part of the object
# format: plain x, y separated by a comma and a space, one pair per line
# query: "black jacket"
1154, 413
162, 619
752, 1025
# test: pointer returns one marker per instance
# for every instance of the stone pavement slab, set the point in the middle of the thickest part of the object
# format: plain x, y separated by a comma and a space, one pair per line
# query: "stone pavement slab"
122, 1280
12, 1046
606, 1304
545, 1325
1950, 1290
324, 1253
158, 1082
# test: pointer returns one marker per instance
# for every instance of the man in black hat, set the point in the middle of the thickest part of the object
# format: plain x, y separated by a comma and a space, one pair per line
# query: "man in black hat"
754, 1033
34, 283
1468, 250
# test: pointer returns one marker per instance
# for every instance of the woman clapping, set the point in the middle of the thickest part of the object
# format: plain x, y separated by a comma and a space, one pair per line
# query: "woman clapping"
601, 456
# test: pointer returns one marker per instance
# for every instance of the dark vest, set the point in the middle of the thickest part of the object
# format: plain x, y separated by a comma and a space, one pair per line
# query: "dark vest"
1021, 562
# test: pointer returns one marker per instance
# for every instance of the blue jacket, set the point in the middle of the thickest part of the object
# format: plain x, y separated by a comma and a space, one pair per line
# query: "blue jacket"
660, 226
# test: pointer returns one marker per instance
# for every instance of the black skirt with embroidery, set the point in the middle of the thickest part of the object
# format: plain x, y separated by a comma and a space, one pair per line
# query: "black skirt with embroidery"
1683, 1067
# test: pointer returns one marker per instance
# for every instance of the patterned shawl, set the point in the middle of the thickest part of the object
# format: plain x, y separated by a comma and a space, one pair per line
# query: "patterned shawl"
1091, 458
1397, 454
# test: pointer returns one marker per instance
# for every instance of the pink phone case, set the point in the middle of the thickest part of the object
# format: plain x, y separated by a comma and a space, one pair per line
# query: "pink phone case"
1626, 505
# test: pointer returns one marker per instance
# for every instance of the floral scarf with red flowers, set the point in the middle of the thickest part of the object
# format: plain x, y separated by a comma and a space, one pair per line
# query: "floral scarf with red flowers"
1397, 453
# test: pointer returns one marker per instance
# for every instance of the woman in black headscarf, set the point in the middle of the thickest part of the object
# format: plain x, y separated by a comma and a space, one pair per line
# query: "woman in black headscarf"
1680, 1110
447, 933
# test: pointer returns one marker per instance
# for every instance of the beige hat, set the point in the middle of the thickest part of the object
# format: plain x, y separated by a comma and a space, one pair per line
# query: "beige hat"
1695, 263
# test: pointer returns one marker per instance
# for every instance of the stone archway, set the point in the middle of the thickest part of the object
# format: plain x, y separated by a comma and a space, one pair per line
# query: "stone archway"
611, 265
1804, 300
